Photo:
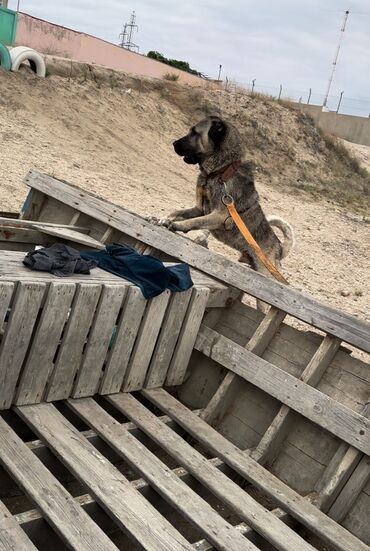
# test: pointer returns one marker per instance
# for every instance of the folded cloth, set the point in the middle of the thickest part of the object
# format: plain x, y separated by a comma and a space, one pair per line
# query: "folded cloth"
145, 271
60, 260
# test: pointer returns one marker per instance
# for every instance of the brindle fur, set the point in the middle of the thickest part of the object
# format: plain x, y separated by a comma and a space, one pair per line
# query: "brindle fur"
215, 143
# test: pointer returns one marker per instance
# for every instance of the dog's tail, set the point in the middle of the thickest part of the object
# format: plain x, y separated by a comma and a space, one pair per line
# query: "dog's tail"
287, 230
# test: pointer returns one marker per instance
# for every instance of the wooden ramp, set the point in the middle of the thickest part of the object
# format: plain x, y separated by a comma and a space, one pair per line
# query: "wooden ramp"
167, 507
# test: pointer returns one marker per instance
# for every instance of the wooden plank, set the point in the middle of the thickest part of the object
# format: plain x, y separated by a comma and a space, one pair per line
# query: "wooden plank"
89, 375
219, 484
45, 341
70, 235
33, 205
303, 307
217, 530
224, 396
351, 491
70, 522
17, 336
29, 224
12, 235
338, 471
133, 514
271, 442
309, 402
145, 343
75, 335
188, 334
6, 293
168, 337
291, 502
127, 330
12, 537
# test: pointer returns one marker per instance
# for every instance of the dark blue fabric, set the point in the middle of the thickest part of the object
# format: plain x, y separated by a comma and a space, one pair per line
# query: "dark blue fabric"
145, 271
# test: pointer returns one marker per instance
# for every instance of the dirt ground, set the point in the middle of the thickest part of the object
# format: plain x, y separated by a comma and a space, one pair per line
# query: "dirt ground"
116, 141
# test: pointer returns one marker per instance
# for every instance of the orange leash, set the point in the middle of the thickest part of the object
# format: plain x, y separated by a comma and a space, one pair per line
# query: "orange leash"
228, 201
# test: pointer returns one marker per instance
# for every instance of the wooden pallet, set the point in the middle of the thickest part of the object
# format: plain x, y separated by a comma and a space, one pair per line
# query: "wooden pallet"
66, 338
115, 508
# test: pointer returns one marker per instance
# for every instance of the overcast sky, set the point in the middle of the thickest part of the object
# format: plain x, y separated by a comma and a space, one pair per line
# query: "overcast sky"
287, 42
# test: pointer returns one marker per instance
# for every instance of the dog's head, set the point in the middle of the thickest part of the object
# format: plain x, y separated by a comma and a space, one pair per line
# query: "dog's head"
202, 141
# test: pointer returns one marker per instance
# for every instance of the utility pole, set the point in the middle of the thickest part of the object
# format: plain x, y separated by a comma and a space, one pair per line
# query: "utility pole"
346, 14
126, 34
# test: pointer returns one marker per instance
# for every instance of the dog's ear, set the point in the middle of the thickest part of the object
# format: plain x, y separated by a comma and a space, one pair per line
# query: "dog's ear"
217, 131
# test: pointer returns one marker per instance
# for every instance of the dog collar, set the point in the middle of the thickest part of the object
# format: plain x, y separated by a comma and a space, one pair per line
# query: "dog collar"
226, 172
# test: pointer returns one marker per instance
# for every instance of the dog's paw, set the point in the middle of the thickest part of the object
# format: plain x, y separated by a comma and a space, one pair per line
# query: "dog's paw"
152, 220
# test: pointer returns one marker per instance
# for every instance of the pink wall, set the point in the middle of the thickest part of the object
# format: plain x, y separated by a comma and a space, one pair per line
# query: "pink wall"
53, 39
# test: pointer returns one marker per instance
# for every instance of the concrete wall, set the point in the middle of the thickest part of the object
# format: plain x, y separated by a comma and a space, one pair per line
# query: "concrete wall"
53, 39
351, 128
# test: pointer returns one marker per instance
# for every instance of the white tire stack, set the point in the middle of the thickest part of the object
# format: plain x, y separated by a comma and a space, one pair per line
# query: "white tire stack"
20, 54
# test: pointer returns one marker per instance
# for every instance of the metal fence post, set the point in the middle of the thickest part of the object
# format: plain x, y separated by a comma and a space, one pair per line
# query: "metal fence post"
309, 96
340, 101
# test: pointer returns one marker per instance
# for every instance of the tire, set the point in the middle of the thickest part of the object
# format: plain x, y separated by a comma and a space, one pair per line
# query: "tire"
5, 59
19, 54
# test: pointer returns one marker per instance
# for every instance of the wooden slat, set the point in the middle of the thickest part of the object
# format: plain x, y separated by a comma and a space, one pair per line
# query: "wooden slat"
72, 524
188, 334
160, 477
271, 442
127, 330
12, 537
285, 497
6, 293
110, 488
225, 394
17, 336
89, 375
338, 471
71, 348
45, 342
145, 343
351, 491
304, 307
220, 485
309, 402
167, 340
68, 234
22, 223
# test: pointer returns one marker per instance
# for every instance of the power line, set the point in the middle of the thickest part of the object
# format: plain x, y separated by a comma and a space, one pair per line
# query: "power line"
126, 34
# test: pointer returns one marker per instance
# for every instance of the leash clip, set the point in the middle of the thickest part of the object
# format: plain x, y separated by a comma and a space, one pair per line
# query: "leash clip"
227, 199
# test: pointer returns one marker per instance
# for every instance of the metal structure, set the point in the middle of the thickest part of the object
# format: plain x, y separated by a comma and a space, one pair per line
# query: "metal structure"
126, 34
346, 14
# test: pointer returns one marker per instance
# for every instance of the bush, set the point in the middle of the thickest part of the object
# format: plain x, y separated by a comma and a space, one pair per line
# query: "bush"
182, 65
171, 76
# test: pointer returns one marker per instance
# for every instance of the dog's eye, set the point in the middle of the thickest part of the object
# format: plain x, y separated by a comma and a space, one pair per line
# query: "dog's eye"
193, 131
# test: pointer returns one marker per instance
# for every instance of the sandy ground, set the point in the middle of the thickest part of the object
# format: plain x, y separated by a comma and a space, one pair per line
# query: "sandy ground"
118, 144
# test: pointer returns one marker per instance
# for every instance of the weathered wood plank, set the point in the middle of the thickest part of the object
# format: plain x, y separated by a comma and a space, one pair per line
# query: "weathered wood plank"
45, 341
309, 402
72, 524
291, 502
352, 489
304, 307
75, 335
225, 394
12, 537
10, 235
188, 334
127, 330
22, 223
220, 485
90, 372
160, 477
17, 336
269, 445
145, 343
167, 340
6, 293
110, 488
68, 234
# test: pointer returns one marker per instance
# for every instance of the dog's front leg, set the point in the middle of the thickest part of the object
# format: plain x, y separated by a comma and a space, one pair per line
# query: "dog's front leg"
211, 221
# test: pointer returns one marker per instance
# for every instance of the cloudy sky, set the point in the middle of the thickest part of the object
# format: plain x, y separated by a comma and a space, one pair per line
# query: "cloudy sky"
287, 42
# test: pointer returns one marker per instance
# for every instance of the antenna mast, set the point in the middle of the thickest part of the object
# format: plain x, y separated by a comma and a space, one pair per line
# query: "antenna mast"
346, 14
126, 34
